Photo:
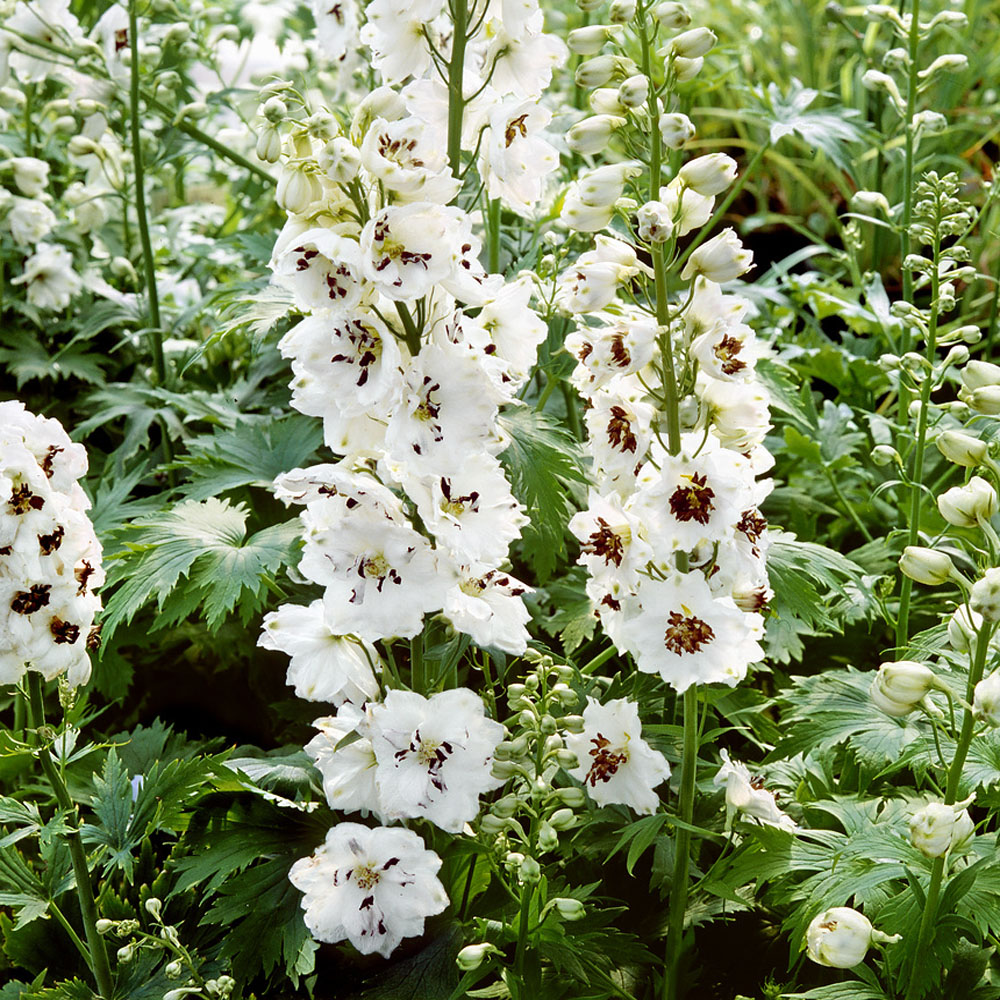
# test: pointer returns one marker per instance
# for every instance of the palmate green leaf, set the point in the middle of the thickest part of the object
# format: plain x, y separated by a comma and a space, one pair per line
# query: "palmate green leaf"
254, 452
20, 888
227, 851
543, 463
70, 989
828, 709
26, 358
852, 989
203, 543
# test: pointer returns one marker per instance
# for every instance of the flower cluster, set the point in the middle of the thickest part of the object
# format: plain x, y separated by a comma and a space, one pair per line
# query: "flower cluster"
406, 347
50, 558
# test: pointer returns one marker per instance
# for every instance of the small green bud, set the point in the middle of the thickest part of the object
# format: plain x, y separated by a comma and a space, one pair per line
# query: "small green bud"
569, 909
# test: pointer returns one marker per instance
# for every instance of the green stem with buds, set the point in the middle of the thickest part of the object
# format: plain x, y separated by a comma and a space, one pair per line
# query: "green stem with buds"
84, 889
919, 447
929, 916
149, 266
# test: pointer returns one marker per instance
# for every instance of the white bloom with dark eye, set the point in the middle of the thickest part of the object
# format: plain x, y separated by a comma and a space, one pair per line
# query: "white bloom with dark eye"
486, 604
407, 249
370, 887
324, 666
336, 26
435, 755
448, 409
614, 762
354, 355
622, 345
515, 158
357, 488
49, 22
612, 545
322, 270
406, 158
747, 794
49, 276
30, 221
619, 423
676, 628
380, 575
469, 510
728, 351
348, 772
592, 282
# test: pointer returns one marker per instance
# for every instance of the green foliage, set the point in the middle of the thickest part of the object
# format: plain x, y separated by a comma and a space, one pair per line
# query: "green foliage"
203, 544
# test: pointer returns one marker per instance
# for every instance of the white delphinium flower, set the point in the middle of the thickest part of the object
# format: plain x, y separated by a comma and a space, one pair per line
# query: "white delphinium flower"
407, 249
348, 772
614, 762
519, 55
710, 174
739, 413
448, 409
50, 558
358, 488
965, 506
324, 666
747, 794
406, 158
337, 27
901, 686
986, 704
49, 276
435, 755
321, 269
611, 539
49, 22
722, 258
685, 207
31, 175
619, 423
370, 887
727, 351
30, 221
621, 345
396, 34
675, 627
592, 282
486, 605
380, 575
937, 828
515, 159
353, 355
692, 496
470, 510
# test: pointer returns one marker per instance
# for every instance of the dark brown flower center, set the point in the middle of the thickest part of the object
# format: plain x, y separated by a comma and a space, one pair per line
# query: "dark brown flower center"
605, 542
694, 502
686, 634
726, 350
620, 434
605, 762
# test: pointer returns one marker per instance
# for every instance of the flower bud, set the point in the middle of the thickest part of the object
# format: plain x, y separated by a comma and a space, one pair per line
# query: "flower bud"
563, 819
986, 703
965, 506
603, 186
675, 129
548, 839
125, 954
274, 110
671, 15
30, 174
588, 41
687, 69
604, 101
926, 566
985, 595
983, 400
505, 807
593, 134
693, 43
870, 201
655, 222
885, 454
473, 955
899, 687
622, 11
963, 626
297, 190
840, 938
977, 374
173, 970
634, 91
103, 925
938, 828
572, 797
269, 145
709, 175
530, 870
962, 449
569, 909
952, 62
596, 72
154, 907
721, 259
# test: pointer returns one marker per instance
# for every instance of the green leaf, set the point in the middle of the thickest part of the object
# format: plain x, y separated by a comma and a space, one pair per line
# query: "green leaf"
543, 463
202, 543
21, 888
850, 990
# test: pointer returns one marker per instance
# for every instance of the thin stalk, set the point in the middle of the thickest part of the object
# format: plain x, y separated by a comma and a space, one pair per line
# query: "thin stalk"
73, 936
906, 588
572, 414
493, 235
929, 916
84, 889
152, 297
682, 858
456, 74
417, 680
912, 81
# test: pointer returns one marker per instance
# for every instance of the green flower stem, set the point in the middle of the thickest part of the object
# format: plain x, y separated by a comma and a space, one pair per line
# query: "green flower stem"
682, 860
73, 936
919, 447
152, 296
929, 916
912, 82
493, 235
84, 889
456, 95
418, 681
